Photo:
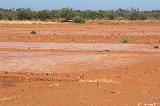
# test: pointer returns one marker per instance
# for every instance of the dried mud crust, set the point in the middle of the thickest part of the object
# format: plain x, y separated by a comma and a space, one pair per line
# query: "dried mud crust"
126, 84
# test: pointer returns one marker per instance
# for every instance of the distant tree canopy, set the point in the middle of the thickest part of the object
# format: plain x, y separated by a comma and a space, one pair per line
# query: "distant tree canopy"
24, 14
66, 14
43, 15
69, 14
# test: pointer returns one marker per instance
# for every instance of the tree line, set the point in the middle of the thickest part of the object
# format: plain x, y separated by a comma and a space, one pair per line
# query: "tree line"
69, 14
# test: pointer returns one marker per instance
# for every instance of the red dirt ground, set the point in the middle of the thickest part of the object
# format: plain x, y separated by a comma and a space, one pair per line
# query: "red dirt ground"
138, 32
68, 64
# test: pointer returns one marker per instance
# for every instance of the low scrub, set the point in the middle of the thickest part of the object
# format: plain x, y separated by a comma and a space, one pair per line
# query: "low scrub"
67, 14
156, 46
124, 40
33, 32
78, 19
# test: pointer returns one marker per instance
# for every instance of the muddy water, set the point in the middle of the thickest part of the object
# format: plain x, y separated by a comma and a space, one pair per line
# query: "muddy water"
75, 46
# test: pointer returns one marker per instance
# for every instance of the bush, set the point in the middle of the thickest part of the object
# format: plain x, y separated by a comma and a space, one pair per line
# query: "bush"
156, 47
157, 15
124, 40
33, 32
44, 15
78, 19
65, 14
111, 17
24, 14
2, 15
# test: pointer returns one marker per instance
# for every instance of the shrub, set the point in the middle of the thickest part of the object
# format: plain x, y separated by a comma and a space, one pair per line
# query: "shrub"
24, 14
134, 14
44, 15
78, 19
124, 40
1, 15
111, 17
33, 32
65, 14
156, 46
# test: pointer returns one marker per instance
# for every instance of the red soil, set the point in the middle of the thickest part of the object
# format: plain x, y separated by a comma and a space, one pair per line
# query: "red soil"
70, 72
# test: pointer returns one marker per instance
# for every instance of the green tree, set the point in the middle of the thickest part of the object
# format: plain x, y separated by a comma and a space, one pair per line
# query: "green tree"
134, 14
2, 15
10, 16
78, 19
142, 16
101, 14
111, 16
89, 14
25, 14
65, 14
44, 15
157, 15
53, 15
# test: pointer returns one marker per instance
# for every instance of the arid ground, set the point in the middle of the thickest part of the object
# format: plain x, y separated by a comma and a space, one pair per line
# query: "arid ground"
67, 64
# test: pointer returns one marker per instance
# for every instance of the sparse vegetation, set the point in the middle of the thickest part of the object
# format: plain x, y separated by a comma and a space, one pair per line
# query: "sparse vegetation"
67, 14
107, 50
6, 72
33, 32
47, 73
78, 19
156, 46
124, 40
